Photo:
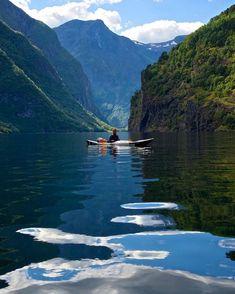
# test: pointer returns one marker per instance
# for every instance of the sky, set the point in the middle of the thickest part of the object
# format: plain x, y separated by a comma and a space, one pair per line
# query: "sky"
148, 21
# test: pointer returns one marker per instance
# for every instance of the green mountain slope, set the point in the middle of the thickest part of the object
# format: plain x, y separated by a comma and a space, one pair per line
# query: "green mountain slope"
192, 88
45, 38
23, 104
32, 96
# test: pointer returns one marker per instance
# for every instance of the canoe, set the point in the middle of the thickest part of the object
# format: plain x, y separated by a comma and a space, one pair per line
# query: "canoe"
139, 143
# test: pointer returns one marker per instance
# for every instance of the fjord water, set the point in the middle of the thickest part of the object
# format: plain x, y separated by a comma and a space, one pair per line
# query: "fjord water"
124, 218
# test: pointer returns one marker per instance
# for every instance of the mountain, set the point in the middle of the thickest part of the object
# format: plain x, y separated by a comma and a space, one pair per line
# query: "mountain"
68, 68
33, 98
193, 87
112, 63
163, 46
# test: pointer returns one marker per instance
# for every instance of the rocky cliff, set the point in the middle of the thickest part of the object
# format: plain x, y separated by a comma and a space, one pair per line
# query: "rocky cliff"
193, 87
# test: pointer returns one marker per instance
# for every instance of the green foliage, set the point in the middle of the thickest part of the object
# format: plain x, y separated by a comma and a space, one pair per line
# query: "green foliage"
32, 96
39, 34
196, 81
196, 172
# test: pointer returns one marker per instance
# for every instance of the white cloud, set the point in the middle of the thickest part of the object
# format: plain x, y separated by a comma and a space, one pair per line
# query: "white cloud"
160, 30
110, 17
55, 15
100, 2
157, 31
58, 14
21, 3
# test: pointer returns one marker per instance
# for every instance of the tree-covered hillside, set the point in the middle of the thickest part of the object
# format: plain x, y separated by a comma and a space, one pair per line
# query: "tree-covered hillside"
33, 98
67, 67
192, 88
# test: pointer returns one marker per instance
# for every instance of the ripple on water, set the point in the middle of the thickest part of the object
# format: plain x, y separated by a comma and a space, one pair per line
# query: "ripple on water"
151, 220
153, 180
152, 205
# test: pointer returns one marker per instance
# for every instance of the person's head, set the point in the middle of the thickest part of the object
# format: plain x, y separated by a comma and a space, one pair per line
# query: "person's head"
114, 131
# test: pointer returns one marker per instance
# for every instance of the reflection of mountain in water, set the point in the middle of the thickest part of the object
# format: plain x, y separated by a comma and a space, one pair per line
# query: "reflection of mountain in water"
106, 232
198, 173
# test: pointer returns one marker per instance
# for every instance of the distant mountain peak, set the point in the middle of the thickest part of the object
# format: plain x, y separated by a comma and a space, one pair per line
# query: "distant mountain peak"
112, 63
98, 21
89, 24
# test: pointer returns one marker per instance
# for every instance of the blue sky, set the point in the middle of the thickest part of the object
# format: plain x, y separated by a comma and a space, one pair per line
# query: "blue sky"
142, 20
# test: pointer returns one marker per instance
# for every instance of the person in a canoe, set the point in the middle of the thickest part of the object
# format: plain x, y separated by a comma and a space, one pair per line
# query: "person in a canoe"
114, 137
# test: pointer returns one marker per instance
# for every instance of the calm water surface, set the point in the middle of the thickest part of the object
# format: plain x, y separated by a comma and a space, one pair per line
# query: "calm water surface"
71, 214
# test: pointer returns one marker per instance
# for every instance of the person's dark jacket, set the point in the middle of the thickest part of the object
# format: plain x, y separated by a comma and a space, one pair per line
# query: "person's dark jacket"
113, 138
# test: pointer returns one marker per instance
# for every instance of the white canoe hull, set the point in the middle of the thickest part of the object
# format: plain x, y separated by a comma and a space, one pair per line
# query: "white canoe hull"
139, 143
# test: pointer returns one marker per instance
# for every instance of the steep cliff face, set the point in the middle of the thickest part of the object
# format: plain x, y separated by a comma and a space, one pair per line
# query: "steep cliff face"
68, 68
33, 97
192, 88
112, 63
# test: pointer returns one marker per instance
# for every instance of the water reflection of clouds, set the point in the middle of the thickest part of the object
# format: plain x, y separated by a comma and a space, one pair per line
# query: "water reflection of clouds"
145, 254
168, 250
152, 205
153, 220
54, 270
227, 243
107, 277
183, 250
